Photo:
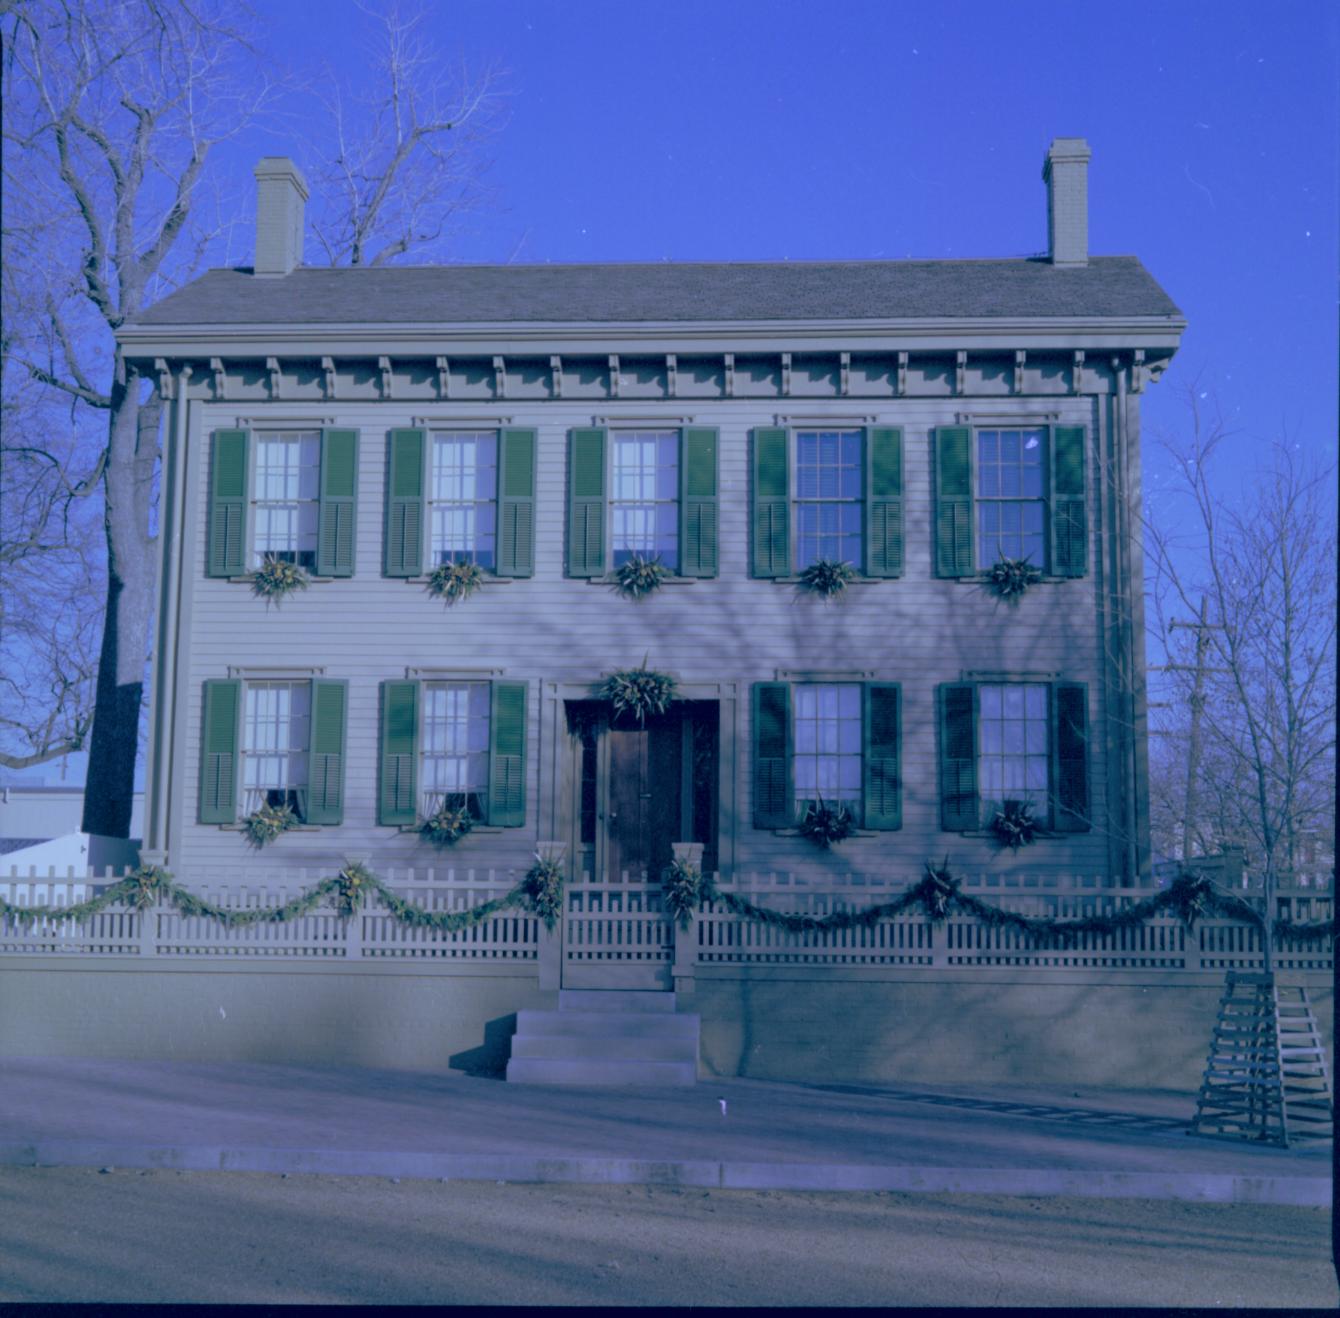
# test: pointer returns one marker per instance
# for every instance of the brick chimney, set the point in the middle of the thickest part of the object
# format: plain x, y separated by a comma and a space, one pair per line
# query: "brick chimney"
281, 192
1065, 171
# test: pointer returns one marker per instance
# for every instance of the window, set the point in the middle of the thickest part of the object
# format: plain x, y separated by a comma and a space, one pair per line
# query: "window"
1011, 484
644, 508
827, 759
838, 742
275, 738
1014, 741
455, 757
285, 498
463, 492
828, 497
1017, 493
1013, 754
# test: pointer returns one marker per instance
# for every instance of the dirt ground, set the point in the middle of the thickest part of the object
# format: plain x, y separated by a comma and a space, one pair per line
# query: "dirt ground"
210, 1237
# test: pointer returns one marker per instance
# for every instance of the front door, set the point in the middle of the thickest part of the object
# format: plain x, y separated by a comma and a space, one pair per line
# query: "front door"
639, 789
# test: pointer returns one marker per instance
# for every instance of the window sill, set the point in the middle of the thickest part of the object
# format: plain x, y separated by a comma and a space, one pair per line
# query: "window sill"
861, 580
488, 580
665, 581
860, 832
487, 830
981, 579
1044, 835
250, 580
296, 828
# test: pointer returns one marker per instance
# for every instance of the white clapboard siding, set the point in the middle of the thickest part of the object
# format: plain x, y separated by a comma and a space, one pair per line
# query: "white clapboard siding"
916, 630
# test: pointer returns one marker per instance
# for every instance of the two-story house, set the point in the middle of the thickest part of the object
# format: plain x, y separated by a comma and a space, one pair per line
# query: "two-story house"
740, 422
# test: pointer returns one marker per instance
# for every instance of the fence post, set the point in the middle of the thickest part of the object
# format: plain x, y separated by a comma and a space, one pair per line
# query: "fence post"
940, 942
686, 937
148, 927
1191, 946
549, 948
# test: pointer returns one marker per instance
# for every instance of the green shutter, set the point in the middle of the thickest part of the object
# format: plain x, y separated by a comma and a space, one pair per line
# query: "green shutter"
953, 502
404, 504
959, 807
507, 755
586, 503
698, 502
1069, 525
1070, 762
880, 727
325, 760
339, 513
773, 806
221, 724
516, 503
397, 801
228, 504
772, 502
883, 502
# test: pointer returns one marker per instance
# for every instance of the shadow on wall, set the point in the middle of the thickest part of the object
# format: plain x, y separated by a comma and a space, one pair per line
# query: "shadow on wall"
489, 1061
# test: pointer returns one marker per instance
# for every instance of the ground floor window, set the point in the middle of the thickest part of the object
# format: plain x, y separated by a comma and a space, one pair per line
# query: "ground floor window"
1013, 755
275, 737
455, 757
827, 760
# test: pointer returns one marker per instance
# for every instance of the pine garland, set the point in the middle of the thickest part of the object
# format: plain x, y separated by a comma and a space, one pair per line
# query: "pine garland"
540, 892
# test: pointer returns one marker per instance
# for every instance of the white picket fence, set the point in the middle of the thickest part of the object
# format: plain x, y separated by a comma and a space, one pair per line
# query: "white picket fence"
622, 920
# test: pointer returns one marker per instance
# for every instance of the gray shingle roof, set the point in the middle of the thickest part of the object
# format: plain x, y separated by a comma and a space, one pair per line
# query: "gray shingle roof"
1116, 286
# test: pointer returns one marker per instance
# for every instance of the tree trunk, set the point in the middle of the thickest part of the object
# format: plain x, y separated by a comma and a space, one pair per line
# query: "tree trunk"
131, 579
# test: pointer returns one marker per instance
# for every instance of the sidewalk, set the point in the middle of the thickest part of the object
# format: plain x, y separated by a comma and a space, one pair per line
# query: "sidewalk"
941, 1139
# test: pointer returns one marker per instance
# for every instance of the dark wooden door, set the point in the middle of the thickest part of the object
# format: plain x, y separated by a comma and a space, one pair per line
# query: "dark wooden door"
646, 770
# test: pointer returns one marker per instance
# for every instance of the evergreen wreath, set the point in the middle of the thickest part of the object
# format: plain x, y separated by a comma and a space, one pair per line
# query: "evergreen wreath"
826, 825
543, 889
1014, 824
455, 581
827, 577
1009, 578
448, 824
276, 577
267, 822
683, 884
639, 576
638, 691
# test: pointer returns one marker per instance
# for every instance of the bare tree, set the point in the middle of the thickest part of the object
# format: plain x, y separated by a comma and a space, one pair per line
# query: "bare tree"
1264, 564
406, 159
110, 110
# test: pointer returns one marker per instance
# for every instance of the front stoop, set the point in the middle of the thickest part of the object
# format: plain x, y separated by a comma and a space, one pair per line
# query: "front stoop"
610, 1037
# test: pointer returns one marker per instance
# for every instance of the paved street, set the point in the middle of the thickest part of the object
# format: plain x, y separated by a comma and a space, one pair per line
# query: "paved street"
151, 1236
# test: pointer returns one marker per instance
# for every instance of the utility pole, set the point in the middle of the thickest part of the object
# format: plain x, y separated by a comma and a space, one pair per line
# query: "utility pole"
1197, 707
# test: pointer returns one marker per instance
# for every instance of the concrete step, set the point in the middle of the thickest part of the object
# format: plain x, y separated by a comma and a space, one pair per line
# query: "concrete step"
596, 1048
585, 1071
607, 1023
656, 1000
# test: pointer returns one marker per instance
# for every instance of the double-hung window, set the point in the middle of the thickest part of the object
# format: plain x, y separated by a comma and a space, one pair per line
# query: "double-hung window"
462, 499
459, 496
289, 495
827, 493
644, 502
828, 497
1014, 741
1010, 496
833, 742
455, 757
285, 508
1010, 492
648, 492
275, 735
271, 742
454, 743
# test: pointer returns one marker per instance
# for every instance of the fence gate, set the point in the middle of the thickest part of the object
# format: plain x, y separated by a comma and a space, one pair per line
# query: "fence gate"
616, 935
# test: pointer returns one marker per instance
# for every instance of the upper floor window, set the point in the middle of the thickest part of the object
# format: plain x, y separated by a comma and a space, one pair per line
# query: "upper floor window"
1011, 496
644, 507
827, 493
275, 738
455, 756
285, 498
463, 493
826, 764
828, 497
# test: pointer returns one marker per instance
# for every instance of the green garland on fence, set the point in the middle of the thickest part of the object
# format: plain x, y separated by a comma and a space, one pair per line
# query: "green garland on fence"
540, 893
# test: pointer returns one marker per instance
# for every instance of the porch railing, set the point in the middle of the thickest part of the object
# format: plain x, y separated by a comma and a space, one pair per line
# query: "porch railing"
624, 921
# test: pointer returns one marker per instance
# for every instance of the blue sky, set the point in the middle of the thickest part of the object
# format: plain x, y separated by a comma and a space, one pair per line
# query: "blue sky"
874, 129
